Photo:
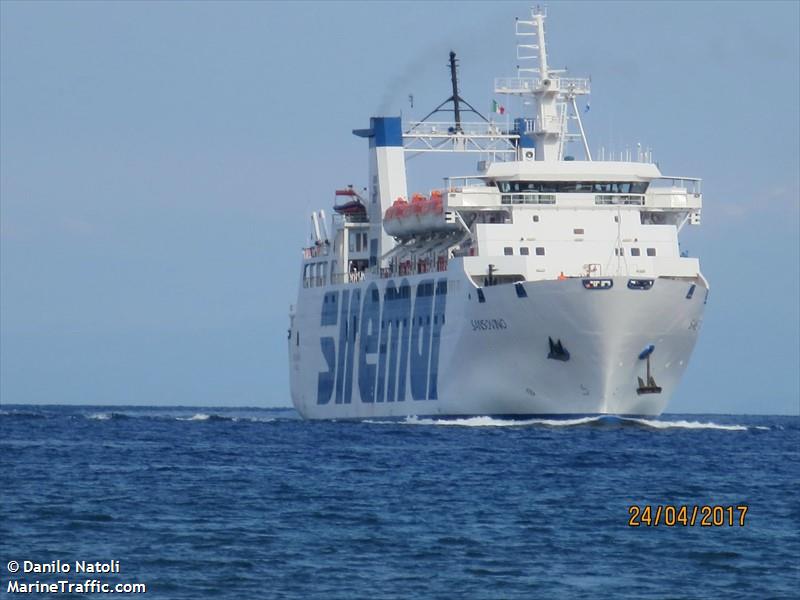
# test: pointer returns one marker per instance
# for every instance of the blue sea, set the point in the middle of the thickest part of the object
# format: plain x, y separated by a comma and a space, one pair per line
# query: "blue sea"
257, 503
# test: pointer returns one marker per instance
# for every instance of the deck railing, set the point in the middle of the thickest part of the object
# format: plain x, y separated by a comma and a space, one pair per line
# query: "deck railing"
630, 199
316, 251
528, 199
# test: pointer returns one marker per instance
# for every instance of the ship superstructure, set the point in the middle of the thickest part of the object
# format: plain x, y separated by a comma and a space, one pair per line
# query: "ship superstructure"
540, 284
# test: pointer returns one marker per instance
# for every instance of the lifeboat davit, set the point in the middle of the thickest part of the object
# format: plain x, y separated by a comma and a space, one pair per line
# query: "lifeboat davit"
353, 207
421, 215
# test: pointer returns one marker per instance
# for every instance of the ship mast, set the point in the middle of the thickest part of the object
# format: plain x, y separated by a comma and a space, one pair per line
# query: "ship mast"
554, 96
455, 98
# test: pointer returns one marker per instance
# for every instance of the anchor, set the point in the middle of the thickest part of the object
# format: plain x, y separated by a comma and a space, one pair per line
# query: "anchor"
557, 350
650, 387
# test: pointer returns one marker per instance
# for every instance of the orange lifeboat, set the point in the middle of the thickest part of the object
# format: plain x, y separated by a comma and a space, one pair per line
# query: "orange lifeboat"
393, 219
418, 204
396, 210
436, 206
421, 215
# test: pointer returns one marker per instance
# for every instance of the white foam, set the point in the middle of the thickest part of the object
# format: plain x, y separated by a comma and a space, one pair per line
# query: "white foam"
99, 416
492, 422
258, 419
564, 422
195, 417
685, 425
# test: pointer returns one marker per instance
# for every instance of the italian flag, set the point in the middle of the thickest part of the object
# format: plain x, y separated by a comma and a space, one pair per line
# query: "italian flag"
498, 108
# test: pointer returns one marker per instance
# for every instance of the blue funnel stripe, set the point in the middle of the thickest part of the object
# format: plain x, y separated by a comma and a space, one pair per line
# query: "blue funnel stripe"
383, 132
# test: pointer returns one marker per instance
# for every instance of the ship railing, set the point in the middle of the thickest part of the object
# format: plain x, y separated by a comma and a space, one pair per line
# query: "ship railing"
457, 184
316, 281
577, 85
445, 129
528, 199
316, 251
521, 85
616, 199
400, 269
351, 277
346, 219
636, 154
423, 265
692, 185
515, 85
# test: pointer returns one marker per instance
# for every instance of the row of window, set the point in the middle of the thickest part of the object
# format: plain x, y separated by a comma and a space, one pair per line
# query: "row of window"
634, 251
577, 231
523, 251
607, 187
623, 199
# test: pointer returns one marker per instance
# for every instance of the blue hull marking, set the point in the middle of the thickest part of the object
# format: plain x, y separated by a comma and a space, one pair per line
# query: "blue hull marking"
394, 335
436, 336
326, 379
421, 340
398, 341
370, 330
348, 331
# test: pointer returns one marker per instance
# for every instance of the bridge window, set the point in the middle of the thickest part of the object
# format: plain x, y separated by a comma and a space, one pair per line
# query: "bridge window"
578, 231
619, 251
535, 218
523, 251
539, 251
651, 252
583, 187
635, 252
508, 251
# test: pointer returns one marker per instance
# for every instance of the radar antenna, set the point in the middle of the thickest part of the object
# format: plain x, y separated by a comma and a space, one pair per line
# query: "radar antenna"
456, 99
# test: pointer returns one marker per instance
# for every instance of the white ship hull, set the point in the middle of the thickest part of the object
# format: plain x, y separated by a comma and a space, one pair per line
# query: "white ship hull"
539, 285
492, 356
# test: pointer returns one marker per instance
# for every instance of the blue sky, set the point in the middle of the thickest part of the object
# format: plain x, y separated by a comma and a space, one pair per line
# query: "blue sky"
160, 160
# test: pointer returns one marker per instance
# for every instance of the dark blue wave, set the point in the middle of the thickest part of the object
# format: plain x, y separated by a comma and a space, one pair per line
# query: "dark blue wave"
256, 503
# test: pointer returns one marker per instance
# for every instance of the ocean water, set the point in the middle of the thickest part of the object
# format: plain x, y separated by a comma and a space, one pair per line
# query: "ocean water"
249, 503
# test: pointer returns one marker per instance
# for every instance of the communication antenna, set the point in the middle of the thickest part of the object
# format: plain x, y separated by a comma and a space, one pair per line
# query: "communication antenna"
455, 98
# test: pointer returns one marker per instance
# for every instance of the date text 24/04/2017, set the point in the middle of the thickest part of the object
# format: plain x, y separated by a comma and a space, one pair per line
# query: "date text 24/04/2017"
670, 515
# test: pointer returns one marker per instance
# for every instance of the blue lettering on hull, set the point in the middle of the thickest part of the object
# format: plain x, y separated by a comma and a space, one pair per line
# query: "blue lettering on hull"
421, 340
393, 351
398, 341
326, 379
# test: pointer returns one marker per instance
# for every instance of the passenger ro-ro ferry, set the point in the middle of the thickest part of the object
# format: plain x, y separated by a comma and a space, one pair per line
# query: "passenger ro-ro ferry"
542, 284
